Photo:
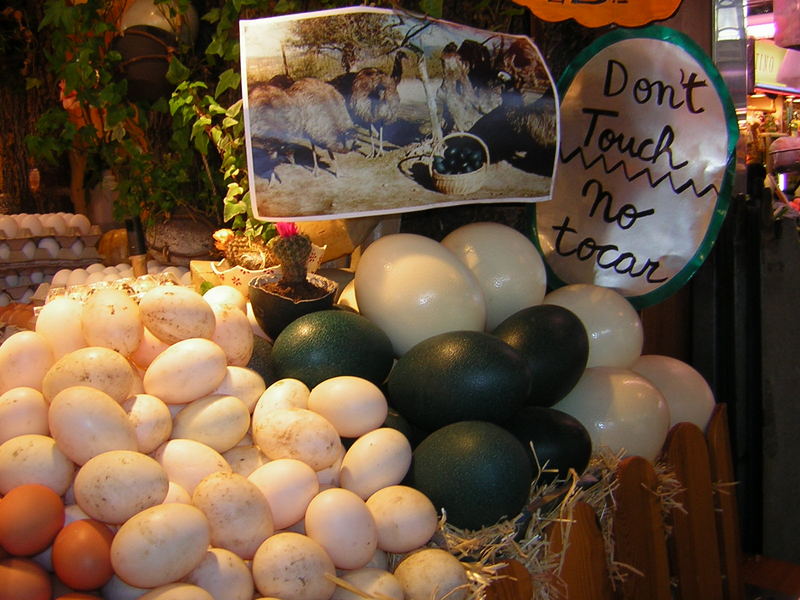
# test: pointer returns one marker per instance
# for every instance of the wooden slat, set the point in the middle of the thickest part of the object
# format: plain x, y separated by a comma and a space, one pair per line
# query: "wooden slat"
728, 533
516, 583
639, 537
771, 574
694, 552
584, 571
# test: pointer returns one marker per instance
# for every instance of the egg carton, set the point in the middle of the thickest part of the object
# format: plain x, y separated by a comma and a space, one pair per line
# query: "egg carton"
65, 240
42, 260
22, 293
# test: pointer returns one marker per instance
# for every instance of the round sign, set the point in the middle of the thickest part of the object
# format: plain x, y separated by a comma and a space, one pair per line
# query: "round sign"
645, 165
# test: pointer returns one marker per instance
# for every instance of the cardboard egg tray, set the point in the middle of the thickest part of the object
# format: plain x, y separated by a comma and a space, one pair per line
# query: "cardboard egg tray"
22, 264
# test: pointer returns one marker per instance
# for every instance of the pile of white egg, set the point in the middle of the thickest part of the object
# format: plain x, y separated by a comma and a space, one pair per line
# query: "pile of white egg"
145, 416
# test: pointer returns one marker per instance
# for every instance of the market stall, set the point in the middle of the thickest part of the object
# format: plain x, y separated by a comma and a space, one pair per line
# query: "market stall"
310, 400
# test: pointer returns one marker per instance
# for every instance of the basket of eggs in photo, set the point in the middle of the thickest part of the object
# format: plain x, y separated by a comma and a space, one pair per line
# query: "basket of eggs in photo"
459, 164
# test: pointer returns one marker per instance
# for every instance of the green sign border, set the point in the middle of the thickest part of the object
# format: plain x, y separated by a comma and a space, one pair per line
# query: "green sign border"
658, 32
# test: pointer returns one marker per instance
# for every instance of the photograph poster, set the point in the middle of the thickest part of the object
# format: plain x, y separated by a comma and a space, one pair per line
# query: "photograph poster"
366, 111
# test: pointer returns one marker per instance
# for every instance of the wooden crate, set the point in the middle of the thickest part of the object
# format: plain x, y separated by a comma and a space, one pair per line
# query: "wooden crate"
689, 552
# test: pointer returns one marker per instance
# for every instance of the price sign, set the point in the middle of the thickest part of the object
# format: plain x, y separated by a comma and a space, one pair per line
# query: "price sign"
599, 13
646, 164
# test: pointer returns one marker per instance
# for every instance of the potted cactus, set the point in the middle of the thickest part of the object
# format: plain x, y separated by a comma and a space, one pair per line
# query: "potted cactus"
288, 291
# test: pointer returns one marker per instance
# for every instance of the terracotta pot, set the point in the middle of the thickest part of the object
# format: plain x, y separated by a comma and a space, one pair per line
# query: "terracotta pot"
274, 312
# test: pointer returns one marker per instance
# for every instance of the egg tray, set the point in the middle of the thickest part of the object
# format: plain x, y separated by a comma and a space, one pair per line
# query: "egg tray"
44, 262
64, 241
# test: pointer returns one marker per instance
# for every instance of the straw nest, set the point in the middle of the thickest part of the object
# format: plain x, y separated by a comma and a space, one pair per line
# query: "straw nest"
525, 538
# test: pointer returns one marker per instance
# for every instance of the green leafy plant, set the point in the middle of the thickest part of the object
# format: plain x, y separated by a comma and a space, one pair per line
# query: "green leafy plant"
181, 152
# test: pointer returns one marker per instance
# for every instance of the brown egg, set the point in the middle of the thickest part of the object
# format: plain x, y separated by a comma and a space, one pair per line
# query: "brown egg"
23, 579
30, 517
82, 555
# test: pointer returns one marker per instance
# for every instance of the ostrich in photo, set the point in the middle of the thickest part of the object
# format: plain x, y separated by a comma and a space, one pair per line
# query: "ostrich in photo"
469, 86
274, 125
321, 118
521, 132
372, 99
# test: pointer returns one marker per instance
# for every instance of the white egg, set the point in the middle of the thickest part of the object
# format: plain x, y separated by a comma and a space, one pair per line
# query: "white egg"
186, 279
36, 277
505, 262
25, 359
375, 460
187, 462
111, 319
174, 313
49, 245
239, 516
72, 513
341, 523
29, 249
77, 247
93, 366
77, 277
160, 545
288, 485
32, 224
151, 420
218, 420
329, 476
59, 321
34, 458
23, 410
85, 422
353, 405
297, 433
284, 393
292, 565
376, 583
686, 391
26, 296
149, 347
80, 222
226, 294
94, 278
177, 591
113, 486
185, 371
95, 267
347, 297
116, 589
9, 226
244, 383
12, 280
412, 287
224, 575
55, 222
612, 324
233, 334
60, 278
432, 574
620, 409
405, 517
5, 300
177, 493
5, 251
245, 459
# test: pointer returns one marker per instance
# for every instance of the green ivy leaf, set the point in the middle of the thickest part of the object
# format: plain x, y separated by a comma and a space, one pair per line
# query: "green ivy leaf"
177, 72
228, 80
